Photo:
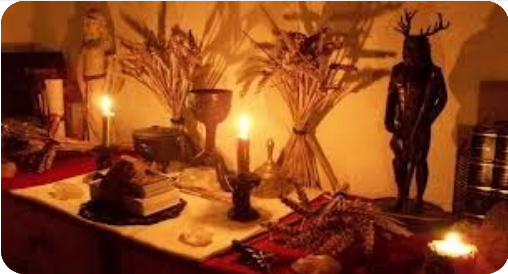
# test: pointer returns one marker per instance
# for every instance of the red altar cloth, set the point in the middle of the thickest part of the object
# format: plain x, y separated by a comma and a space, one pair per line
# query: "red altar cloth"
404, 255
61, 169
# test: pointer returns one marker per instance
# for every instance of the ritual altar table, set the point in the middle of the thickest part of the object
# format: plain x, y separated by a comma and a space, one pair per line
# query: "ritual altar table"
42, 233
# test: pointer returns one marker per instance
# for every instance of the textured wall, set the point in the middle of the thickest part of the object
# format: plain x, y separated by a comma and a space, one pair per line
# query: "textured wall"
475, 48
17, 23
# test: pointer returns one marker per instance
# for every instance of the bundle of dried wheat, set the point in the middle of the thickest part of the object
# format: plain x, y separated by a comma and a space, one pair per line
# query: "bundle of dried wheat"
335, 225
313, 74
169, 63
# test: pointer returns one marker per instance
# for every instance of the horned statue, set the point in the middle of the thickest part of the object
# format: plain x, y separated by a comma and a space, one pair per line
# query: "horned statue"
416, 97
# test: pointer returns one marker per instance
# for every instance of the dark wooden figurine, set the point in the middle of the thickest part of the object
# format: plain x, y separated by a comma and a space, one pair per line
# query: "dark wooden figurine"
416, 96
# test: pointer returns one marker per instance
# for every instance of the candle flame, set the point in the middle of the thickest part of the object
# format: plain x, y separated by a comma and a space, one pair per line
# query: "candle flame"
244, 127
453, 237
106, 105
453, 246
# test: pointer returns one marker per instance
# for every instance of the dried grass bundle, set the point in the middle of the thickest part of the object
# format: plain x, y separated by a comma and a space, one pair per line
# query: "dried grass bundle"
313, 74
335, 225
169, 63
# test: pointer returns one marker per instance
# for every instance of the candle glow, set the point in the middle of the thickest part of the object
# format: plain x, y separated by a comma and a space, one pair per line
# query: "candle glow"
244, 127
453, 246
106, 105
243, 154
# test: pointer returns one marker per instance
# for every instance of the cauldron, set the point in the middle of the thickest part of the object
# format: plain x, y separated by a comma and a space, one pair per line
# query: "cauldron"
158, 144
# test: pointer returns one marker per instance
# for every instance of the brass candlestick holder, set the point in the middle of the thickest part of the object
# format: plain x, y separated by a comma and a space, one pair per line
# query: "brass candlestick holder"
211, 107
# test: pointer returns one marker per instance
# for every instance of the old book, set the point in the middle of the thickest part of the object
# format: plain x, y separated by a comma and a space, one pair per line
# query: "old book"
156, 185
154, 204
148, 191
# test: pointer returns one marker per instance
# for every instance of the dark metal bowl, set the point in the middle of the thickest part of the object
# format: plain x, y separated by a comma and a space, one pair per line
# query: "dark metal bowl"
158, 144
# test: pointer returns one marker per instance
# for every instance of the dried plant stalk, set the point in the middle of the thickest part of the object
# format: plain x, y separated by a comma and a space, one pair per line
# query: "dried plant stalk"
312, 75
166, 69
335, 225
169, 62
312, 72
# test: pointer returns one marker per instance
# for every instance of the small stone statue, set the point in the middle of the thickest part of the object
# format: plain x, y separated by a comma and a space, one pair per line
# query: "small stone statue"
416, 97
93, 66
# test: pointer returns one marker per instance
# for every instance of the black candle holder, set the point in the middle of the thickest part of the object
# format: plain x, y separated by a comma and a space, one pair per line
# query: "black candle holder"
242, 186
103, 157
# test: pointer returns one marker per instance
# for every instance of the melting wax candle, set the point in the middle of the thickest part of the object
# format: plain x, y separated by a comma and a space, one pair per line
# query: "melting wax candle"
243, 158
106, 105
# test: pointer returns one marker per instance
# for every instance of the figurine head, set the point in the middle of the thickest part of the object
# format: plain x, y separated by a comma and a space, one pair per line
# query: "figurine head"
95, 27
417, 49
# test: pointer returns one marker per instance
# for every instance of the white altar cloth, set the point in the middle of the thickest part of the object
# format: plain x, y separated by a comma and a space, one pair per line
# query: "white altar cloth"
165, 235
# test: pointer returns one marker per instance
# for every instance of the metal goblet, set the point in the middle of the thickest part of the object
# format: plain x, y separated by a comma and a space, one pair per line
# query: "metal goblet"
211, 107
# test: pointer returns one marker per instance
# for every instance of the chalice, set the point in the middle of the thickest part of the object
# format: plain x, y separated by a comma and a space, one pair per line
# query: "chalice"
211, 107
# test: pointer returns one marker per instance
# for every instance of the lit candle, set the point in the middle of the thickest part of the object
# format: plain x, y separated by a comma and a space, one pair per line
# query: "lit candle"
452, 246
106, 105
243, 146
459, 255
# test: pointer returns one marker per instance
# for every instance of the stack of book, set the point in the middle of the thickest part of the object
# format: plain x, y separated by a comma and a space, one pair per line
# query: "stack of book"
155, 194
133, 187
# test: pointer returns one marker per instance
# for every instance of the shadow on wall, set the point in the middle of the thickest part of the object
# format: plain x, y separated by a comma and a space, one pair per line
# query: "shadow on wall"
222, 39
350, 21
223, 35
480, 59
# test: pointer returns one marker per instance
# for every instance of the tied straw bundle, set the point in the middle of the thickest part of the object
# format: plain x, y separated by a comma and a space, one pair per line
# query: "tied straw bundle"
169, 63
312, 74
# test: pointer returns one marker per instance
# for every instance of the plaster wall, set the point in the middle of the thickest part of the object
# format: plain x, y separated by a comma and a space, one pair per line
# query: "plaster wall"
17, 24
474, 49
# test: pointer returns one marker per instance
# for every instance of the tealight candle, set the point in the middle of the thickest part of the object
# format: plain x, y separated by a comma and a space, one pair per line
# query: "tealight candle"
106, 105
454, 254
452, 246
243, 158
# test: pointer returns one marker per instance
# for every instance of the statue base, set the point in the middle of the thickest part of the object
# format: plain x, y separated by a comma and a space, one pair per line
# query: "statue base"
428, 218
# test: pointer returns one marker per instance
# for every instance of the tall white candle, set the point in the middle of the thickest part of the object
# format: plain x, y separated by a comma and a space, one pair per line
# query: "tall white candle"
243, 157
106, 106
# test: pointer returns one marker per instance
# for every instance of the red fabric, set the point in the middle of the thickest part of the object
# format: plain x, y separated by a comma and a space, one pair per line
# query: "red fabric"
403, 255
64, 167
61, 169
399, 255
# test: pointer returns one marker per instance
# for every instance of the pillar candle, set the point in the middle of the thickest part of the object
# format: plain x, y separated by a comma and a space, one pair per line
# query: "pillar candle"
107, 115
243, 158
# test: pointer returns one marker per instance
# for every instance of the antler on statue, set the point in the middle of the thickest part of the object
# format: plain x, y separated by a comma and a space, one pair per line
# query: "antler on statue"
404, 25
437, 27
